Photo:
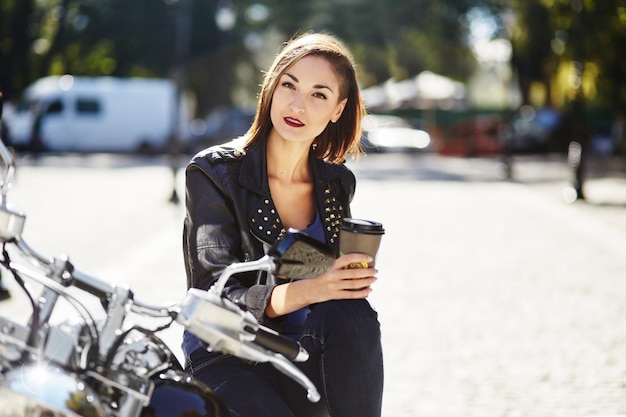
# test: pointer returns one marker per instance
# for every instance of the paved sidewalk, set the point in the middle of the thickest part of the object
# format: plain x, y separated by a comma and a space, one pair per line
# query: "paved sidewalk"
497, 298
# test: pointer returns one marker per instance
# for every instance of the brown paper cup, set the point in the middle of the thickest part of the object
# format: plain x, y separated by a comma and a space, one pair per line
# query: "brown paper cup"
360, 236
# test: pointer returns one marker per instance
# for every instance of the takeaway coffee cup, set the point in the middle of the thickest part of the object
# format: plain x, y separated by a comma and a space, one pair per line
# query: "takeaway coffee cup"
362, 236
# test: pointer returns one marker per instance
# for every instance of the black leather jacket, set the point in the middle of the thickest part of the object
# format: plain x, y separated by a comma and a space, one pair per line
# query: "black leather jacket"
231, 218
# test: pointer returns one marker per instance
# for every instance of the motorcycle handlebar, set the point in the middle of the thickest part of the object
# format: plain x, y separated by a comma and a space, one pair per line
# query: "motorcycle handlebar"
91, 284
276, 342
264, 336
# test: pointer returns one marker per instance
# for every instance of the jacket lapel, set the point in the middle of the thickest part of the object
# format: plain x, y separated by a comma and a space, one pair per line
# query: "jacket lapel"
263, 219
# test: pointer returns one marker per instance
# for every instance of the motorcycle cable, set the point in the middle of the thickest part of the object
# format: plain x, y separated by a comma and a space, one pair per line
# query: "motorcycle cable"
34, 321
6, 262
84, 313
71, 300
120, 339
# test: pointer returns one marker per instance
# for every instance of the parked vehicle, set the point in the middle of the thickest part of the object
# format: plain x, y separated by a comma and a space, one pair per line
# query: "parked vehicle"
99, 114
475, 136
220, 126
532, 129
604, 138
385, 133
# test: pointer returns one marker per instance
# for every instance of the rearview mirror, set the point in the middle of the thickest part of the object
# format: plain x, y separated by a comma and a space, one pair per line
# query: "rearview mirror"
299, 256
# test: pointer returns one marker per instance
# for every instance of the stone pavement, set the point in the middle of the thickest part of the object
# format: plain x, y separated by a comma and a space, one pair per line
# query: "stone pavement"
496, 298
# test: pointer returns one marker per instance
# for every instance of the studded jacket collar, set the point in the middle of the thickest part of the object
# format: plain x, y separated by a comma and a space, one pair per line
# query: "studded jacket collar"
334, 188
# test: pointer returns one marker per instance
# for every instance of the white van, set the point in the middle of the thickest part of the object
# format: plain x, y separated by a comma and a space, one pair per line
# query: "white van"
100, 114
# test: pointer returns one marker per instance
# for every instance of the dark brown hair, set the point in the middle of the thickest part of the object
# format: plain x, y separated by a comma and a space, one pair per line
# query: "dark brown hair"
338, 139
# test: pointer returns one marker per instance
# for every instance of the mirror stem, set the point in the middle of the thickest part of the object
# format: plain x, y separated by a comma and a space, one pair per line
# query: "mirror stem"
265, 263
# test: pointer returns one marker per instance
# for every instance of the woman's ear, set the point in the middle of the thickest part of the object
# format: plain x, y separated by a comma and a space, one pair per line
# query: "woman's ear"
338, 112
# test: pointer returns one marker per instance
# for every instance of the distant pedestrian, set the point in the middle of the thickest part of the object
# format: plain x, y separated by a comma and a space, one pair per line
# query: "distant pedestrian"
4, 293
36, 141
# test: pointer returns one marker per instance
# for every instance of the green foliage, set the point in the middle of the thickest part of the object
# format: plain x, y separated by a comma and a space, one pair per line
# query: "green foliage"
550, 33
140, 37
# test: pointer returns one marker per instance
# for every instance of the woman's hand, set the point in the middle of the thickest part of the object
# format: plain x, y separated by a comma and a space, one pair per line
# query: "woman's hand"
340, 282
348, 278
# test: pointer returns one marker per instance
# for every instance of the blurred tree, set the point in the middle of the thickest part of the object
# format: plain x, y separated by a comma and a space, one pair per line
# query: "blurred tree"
121, 38
16, 39
604, 30
533, 58
569, 52
389, 38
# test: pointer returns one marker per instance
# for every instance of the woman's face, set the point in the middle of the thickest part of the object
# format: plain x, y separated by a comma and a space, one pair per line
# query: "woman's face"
306, 99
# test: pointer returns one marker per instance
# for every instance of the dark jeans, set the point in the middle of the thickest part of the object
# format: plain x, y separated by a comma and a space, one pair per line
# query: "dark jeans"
345, 364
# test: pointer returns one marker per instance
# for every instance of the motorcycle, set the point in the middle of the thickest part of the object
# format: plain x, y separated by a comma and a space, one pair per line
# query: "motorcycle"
112, 366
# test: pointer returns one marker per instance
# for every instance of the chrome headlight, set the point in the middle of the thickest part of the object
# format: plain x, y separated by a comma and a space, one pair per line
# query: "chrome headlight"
42, 390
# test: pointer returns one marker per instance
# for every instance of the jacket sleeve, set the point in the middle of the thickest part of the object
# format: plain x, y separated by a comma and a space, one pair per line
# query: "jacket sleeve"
212, 240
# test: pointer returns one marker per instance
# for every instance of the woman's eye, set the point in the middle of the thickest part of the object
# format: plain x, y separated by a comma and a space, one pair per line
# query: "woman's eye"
288, 84
320, 95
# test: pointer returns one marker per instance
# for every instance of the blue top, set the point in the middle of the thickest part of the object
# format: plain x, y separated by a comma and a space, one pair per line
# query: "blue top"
294, 320
297, 318
316, 229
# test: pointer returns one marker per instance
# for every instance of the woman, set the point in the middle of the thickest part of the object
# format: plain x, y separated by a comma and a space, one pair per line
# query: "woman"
289, 173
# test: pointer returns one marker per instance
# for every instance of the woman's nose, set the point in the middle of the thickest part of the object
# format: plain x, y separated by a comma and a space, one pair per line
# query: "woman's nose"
297, 103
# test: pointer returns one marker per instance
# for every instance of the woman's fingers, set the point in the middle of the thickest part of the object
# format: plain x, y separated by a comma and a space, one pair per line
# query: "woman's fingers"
353, 260
350, 278
354, 275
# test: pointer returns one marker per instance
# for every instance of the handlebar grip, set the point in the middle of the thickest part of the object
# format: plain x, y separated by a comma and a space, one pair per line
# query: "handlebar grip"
274, 341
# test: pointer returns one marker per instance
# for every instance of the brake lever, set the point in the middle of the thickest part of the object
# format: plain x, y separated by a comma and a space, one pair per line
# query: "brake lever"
226, 328
288, 368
